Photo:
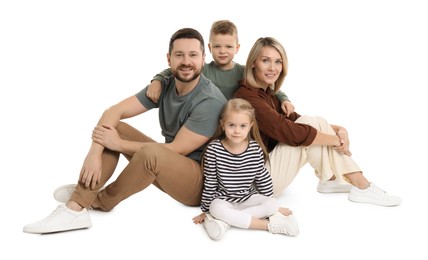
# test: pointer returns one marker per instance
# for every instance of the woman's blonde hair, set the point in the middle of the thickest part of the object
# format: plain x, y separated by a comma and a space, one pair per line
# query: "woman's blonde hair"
241, 105
255, 53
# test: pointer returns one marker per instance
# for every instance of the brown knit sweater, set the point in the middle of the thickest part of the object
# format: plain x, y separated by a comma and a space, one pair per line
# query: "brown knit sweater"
274, 126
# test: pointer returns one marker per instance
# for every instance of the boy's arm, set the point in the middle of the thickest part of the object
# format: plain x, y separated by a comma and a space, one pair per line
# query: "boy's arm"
154, 89
281, 96
162, 74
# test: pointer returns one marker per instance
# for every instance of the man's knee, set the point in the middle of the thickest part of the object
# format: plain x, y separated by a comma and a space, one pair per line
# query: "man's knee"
151, 150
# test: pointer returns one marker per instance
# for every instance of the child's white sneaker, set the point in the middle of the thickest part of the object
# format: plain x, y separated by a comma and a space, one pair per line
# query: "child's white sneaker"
215, 228
282, 224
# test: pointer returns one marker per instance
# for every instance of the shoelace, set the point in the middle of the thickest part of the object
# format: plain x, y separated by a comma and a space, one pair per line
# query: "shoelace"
57, 211
375, 189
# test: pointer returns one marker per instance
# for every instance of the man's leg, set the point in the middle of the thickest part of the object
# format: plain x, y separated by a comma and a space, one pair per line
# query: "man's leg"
86, 196
176, 175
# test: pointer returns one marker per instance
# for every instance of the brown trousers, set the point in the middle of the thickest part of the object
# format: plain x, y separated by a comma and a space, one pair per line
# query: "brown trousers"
175, 174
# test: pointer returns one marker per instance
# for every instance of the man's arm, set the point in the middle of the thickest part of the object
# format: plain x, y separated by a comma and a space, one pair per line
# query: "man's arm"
127, 108
107, 136
105, 133
186, 141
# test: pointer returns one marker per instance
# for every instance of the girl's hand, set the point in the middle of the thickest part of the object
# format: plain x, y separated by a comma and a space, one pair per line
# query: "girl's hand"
199, 218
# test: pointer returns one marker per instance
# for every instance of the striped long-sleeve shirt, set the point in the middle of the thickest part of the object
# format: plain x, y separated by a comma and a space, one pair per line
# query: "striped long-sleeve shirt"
234, 177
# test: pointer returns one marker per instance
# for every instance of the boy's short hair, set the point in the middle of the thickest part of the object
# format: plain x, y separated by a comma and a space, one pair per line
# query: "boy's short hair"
224, 27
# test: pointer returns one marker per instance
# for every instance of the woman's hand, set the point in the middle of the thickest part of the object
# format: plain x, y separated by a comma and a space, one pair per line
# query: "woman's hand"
344, 141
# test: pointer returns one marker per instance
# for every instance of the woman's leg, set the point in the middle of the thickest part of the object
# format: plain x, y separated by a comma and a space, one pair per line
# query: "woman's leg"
283, 165
327, 162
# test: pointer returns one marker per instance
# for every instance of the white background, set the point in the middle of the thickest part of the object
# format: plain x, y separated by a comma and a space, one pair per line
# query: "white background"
360, 64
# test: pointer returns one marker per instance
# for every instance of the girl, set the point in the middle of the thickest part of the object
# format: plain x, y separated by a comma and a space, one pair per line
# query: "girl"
237, 187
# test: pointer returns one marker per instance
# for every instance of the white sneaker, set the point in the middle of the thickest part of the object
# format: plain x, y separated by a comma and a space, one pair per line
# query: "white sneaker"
62, 194
282, 224
334, 187
373, 195
215, 228
62, 219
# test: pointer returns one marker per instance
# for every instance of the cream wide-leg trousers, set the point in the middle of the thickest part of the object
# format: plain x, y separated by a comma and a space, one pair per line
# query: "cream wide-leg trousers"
285, 161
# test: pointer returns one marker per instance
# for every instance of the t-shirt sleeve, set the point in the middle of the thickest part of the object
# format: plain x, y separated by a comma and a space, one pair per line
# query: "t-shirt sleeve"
204, 118
144, 100
163, 74
281, 96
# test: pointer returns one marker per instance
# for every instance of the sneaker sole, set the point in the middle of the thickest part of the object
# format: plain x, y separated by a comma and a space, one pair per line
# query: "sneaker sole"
344, 189
376, 202
213, 230
295, 226
62, 228
292, 228
334, 190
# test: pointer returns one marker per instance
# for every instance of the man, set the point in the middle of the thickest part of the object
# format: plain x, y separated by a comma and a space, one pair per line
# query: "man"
189, 107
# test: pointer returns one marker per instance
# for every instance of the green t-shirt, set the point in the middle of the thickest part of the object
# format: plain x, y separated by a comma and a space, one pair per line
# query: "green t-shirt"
198, 110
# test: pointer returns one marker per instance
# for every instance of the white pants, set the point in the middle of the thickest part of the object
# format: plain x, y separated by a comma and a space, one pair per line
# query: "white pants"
240, 214
285, 161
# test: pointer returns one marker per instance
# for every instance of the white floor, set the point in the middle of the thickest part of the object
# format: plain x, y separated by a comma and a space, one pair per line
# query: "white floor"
150, 223
361, 65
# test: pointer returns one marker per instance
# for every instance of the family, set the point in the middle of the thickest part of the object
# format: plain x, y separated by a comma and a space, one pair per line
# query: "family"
233, 143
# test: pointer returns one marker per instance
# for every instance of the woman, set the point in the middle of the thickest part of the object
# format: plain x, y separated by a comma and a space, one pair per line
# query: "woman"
296, 140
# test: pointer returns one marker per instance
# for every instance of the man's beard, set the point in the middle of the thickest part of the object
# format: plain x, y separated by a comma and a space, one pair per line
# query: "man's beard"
176, 74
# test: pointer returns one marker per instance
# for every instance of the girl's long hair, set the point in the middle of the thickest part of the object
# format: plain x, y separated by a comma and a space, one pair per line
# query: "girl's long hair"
241, 105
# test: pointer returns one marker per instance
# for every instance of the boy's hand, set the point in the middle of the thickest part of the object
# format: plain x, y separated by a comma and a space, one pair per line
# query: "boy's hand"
287, 107
154, 90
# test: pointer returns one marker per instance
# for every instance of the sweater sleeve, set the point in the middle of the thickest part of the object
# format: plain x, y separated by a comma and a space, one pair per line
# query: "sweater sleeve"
272, 123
